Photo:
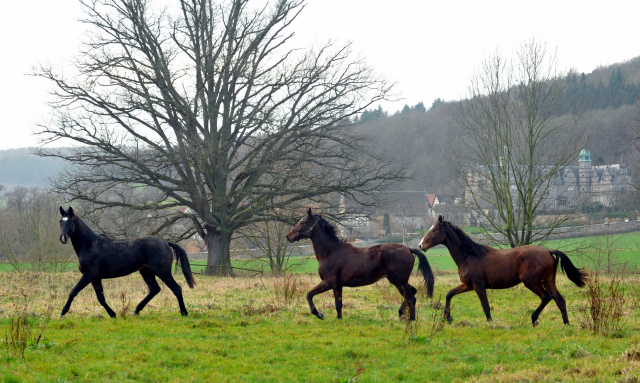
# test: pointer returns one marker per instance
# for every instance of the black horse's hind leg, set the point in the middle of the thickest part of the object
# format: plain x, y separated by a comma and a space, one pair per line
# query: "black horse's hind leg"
97, 286
171, 283
319, 289
545, 298
452, 293
82, 283
337, 295
150, 279
407, 291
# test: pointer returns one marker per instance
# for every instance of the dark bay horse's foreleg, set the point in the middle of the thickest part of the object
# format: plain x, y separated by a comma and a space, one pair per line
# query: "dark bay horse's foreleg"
463, 288
337, 295
321, 288
481, 291
82, 283
97, 286
150, 279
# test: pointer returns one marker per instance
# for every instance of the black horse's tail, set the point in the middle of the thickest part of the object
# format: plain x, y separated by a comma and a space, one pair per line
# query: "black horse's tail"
181, 256
574, 274
427, 273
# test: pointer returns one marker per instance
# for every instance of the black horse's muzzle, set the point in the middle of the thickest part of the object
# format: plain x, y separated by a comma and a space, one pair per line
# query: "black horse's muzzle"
64, 238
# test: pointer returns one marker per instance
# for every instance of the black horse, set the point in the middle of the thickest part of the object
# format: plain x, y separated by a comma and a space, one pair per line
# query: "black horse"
101, 257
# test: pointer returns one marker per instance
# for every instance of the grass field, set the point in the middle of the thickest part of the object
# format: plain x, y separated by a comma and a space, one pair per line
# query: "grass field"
243, 330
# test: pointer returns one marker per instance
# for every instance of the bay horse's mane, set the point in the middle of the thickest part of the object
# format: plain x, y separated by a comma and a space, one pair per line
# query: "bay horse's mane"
469, 246
331, 230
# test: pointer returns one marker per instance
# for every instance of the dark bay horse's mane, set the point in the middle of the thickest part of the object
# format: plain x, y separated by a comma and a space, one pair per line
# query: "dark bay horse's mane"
469, 246
331, 230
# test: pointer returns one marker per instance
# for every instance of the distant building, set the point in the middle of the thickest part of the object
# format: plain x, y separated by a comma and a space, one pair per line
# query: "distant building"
571, 185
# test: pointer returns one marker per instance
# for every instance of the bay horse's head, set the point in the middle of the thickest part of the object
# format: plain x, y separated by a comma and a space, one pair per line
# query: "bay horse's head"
67, 224
304, 228
436, 235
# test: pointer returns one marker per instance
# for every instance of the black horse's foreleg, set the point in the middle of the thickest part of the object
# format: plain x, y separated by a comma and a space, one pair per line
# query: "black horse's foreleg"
82, 283
150, 279
463, 288
321, 288
484, 301
337, 295
97, 286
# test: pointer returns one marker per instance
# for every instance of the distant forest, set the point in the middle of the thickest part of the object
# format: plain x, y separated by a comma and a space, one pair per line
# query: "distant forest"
606, 97
416, 133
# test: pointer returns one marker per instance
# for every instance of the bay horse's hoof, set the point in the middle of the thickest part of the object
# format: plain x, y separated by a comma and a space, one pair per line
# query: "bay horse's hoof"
136, 313
320, 316
536, 323
61, 316
450, 319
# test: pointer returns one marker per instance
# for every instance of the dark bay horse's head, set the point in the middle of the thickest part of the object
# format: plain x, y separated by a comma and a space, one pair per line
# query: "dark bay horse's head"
435, 236
304, 228
67, 224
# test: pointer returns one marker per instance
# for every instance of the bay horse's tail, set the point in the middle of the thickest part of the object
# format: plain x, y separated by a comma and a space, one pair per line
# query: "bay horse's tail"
427, 273
575, 275
181, 256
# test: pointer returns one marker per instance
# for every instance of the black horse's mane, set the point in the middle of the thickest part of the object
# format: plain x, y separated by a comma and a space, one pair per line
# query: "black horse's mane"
468, 245
328, 228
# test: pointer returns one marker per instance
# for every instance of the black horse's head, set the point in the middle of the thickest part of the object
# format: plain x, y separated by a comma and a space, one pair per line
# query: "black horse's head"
435, 236
67, 224
304, 228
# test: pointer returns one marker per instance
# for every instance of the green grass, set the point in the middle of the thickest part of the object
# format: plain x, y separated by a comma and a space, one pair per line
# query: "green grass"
240, 330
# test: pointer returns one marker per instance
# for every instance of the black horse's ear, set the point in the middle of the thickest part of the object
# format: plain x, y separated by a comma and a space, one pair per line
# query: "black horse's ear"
61, 211
71, 212
440, 218
309, 213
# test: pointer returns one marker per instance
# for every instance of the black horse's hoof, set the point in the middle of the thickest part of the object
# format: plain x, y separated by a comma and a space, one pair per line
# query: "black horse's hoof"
536, 323
450, 320
136, 313
61, 316
320, 316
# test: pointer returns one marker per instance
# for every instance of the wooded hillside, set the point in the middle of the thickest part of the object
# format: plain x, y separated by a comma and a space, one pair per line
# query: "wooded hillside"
606, 99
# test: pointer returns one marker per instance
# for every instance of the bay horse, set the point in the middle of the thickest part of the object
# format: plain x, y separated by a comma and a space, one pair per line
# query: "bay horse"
342, 264
101, 257
482, 267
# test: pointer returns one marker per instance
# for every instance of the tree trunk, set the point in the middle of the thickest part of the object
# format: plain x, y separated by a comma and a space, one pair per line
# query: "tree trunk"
219, 257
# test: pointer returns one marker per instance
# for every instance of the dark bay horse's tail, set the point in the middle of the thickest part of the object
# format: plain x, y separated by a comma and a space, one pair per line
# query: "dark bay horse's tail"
574, 274
427, 273
181, 255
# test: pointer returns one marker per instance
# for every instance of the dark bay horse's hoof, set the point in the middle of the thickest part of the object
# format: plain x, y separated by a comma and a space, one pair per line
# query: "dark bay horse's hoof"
536, 323
450, 319
320, 316
136, 313
61, 316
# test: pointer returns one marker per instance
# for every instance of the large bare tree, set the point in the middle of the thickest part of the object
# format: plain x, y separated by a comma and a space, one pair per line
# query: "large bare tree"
515, 143
209, 106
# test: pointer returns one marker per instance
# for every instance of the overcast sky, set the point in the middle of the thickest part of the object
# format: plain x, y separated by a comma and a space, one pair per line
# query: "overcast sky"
429, 48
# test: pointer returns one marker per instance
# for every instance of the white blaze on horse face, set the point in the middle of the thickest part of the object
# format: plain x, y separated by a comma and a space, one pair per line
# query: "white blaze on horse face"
422, 240
65, 219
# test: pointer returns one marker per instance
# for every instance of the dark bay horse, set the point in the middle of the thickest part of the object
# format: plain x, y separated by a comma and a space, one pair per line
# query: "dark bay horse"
101, 257
341, 264
481, 267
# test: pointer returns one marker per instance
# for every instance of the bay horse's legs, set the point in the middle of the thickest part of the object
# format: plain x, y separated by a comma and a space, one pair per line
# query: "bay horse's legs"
407, 291
545, 298
150, 279
97, 286
482, 294
82, 283
560, 302
171, 283
337, 295
463, 288
319, 289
